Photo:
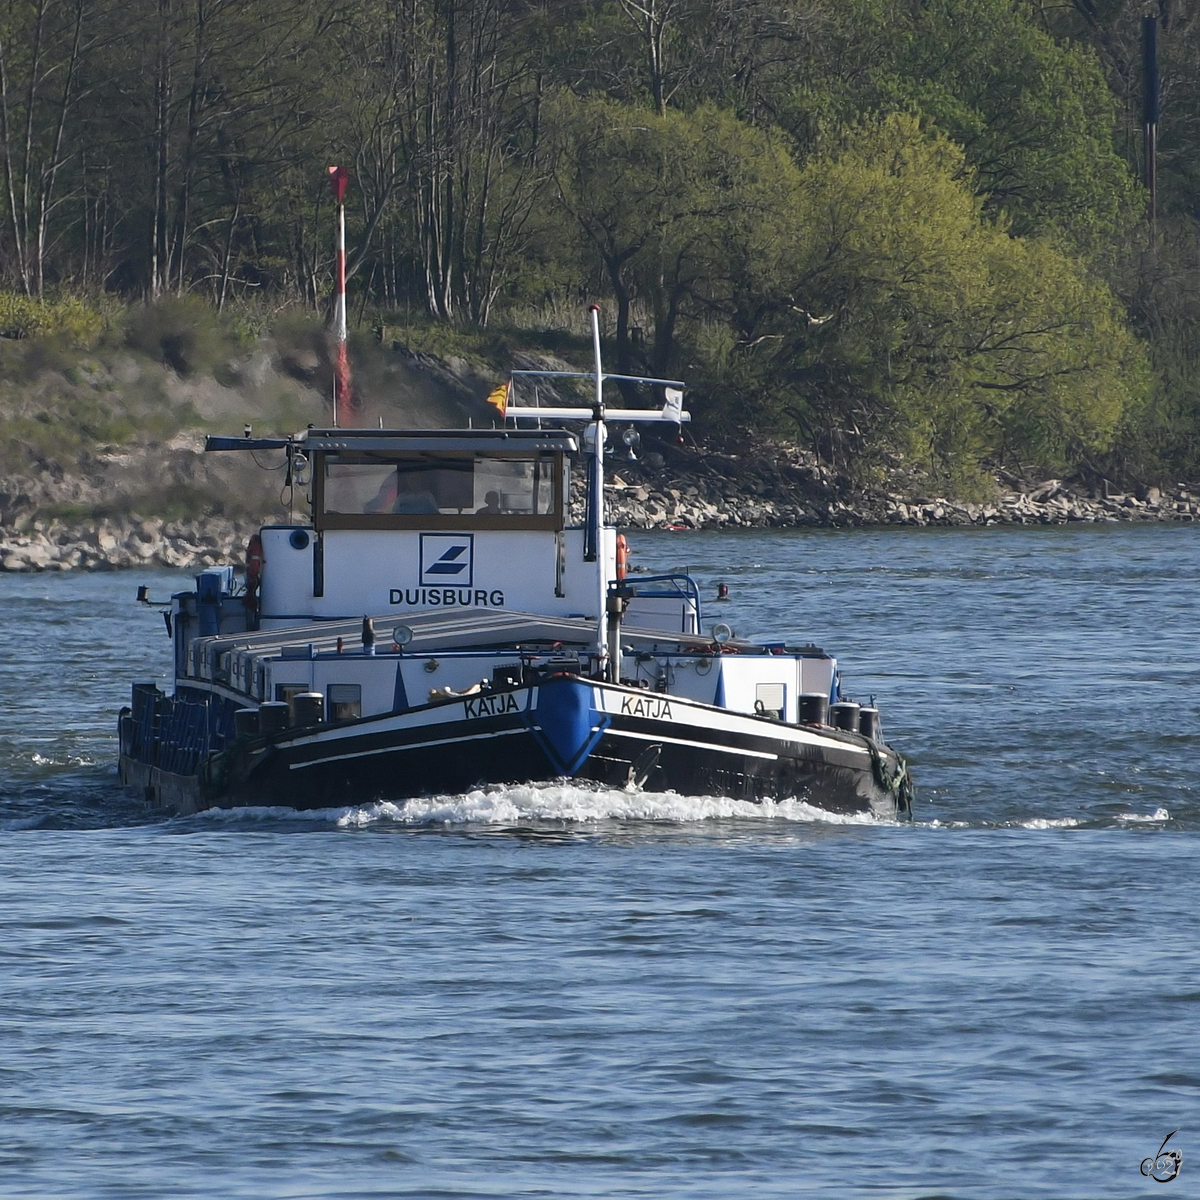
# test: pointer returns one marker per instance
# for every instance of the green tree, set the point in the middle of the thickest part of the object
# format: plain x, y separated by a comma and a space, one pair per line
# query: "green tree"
1113, 28
670, 208
914, 320
1034, 115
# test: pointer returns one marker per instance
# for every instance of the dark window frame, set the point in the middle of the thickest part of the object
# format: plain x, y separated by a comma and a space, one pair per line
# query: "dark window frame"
554, 520
333, 704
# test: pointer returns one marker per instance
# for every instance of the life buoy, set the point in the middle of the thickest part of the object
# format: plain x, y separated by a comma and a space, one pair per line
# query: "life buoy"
254, 566
622, 556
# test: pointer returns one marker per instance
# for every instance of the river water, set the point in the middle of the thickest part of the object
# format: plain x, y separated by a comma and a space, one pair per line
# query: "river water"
557, 992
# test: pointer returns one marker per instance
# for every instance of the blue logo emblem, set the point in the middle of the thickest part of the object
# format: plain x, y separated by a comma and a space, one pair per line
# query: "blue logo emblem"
447, 558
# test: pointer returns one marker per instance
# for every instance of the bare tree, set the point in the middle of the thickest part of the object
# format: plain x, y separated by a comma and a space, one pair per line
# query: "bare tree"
41, 46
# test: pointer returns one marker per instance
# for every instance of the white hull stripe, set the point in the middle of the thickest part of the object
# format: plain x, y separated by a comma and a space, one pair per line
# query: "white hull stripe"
724, 721
408, 723
473, 737
675, 741
476, 737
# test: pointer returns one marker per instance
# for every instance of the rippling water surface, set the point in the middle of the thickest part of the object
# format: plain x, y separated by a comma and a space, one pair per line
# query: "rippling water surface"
555, 991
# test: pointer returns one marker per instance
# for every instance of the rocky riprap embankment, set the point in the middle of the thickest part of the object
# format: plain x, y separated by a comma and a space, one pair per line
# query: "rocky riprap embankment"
707, 507
771, 489
790, 488
112, 545
134, 479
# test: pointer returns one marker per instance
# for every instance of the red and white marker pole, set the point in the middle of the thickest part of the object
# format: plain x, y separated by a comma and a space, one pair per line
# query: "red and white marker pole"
339, 178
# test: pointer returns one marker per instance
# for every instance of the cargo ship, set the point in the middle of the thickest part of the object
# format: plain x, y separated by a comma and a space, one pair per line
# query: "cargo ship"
441, 622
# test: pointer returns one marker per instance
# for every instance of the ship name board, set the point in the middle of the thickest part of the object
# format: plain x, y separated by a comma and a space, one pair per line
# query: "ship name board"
490, 706
646, 706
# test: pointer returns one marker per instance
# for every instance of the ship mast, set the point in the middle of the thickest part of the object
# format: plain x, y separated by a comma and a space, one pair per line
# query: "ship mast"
596, 508
593, 531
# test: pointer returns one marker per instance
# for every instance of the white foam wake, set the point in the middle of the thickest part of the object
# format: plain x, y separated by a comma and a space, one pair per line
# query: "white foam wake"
1049, 823
1159, 814
61, 760
525, 803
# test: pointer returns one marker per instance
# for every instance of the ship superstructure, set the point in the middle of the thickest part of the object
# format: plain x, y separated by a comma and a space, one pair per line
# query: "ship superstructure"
441, 623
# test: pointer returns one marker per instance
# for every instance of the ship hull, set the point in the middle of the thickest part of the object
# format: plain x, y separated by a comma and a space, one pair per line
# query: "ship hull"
564, 728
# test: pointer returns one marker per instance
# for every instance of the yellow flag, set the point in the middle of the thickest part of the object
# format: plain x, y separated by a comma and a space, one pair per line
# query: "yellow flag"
498, 398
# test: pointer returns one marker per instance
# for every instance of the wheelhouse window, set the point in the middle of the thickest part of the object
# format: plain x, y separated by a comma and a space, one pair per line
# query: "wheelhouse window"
428, 491
345, 701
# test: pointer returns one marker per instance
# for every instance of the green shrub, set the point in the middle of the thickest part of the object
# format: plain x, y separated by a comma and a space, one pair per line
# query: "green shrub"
70, 319
297, 329
183, 332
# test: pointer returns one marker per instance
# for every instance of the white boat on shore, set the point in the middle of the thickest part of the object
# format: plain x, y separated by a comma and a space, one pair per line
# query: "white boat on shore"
440, 623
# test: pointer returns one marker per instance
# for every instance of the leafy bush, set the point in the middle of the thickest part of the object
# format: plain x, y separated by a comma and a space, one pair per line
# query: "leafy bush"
69, 319
185, 333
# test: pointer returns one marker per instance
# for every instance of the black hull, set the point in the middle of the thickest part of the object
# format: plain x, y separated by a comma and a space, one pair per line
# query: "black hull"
400, 773
567, 728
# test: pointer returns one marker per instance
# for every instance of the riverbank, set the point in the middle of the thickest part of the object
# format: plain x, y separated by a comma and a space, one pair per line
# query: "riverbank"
119, 544
784, 487
104, 469
778, 488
